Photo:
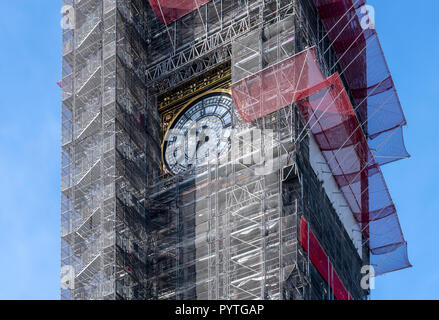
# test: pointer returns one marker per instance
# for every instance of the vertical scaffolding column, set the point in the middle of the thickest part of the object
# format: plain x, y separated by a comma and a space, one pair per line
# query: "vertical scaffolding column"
136, 149
85, 157
253, 52
104, 165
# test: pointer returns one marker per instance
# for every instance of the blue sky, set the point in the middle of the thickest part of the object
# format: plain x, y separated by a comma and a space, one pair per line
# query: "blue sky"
30, 66
408, 34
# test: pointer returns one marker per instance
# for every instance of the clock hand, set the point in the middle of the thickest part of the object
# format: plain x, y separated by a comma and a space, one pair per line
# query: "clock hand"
201, 141
194, 153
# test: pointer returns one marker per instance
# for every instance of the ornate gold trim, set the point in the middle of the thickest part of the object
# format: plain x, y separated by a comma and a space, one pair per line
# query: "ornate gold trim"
205, 82
182, 109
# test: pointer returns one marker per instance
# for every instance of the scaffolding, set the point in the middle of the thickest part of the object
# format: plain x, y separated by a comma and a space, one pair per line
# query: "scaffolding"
238, 227
230, 233
104, 158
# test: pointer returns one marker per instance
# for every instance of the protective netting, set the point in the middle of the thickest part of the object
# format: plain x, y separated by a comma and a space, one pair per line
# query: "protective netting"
361, 59
336, 129
277, 86
353, 147
170, 10
329, 114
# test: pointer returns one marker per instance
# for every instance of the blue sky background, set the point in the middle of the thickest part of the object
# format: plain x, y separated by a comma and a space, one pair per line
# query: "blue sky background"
30, 66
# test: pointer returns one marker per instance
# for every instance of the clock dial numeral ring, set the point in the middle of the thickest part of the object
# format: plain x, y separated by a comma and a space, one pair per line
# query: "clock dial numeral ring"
199, 133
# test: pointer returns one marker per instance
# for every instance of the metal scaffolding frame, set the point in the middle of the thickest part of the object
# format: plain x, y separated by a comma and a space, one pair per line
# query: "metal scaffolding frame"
245, 244
104, 159
220, 231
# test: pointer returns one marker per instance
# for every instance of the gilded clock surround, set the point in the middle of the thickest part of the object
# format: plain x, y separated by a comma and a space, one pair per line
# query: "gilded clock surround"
172, 103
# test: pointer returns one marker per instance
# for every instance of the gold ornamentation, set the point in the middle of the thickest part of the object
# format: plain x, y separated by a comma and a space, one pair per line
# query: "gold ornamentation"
174, 101
170, 104
218, 78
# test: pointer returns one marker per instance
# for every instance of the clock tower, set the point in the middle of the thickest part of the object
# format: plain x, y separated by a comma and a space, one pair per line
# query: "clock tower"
203, 157
224, 216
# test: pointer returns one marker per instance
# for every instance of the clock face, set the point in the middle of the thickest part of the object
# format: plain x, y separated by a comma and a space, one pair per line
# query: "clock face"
200, 133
